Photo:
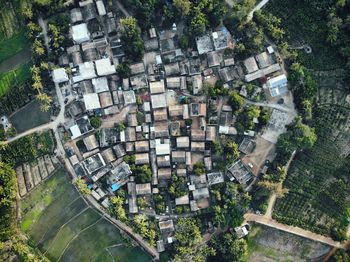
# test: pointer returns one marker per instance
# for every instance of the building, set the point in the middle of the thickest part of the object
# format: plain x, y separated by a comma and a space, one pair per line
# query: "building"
239, 172
80, 33
204, 44
141, 158
183, 142
241, 231
157, 87
129, 97
90, 142
119, 176
264, 60
250, 65
158, 101
222, 39
277, 85
94, 163
105, 67
59, 75
91, 101
133, 209
100, 84
197, 83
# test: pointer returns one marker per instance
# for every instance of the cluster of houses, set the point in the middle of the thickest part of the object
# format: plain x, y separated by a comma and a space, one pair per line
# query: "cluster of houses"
166, 123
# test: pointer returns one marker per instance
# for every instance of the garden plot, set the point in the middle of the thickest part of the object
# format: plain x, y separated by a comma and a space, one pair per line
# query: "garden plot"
268, 244
65, 228
30, 175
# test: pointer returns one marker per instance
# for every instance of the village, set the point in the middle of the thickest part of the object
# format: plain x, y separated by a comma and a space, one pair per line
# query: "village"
160, 127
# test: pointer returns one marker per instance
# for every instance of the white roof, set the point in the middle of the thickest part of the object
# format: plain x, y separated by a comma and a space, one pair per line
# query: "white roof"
80, 33
270, 50
91, 101
59, 75
101, 8
100, 84
162, 149
104, 67
86, 71
75, 131
158, 101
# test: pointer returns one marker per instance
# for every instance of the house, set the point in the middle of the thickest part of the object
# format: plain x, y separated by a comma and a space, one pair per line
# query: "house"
241, 231
106, 99
93, 163
85, 71
133, 209
222, 39
119, 150
264, 60
91, 101
176, 111
138, 82
158, 101
174, 128
250, 65
143, 189
197, 135
262, 72
228, 74
160, 114
59, 75
157, 87
131, 119
108, 155
80, 33
197, 84
204, 44
108, 137
166, 226
172, 69
163, 161
198, 109
142, 146
238, 171
81, 127
128, 134
277, 85
90, 142
214, 58
105, 67
178, 157
176, 82
101, 9
164, 173
210, 133
137, 68
161, 129
208, 164
197, 146
76, 15
89, 10
183, 142
129, 97
162, 147
100, 84
200, 193
183, 200
141, 158
215, 178
152, 32
246, 146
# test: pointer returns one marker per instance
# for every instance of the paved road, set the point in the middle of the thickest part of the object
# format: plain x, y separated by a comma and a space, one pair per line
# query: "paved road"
256, 8
291, 229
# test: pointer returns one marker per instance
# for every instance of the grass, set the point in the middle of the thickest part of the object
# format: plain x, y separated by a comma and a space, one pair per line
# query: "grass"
10, 47
14, 77
30, 116
56, 218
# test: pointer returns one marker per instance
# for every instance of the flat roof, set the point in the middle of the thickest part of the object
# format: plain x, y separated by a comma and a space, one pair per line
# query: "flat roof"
158, 101
105, 67
59, 75
100, 84
91, 101
80, 33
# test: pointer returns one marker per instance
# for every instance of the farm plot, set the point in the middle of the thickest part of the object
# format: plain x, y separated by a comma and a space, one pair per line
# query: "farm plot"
14, 77
29, 116
318, 180
64, 228
268, 244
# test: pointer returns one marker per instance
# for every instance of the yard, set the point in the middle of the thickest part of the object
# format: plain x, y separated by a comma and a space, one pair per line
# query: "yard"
267, 244
29, 116
57, 219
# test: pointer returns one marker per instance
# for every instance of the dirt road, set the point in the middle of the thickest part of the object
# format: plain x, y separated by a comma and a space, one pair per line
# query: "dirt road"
291, 229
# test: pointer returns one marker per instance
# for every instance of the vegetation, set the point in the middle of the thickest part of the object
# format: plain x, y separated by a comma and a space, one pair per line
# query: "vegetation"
82, 187
177, 187
145, 228
236, 101
95, 122
118, 209
131, 38
15, 77
13, 45
199, 168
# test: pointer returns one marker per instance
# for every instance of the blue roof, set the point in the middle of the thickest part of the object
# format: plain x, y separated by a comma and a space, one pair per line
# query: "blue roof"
115, 187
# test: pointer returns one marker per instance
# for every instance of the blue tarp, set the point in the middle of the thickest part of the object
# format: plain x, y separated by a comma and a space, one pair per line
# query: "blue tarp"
115, 187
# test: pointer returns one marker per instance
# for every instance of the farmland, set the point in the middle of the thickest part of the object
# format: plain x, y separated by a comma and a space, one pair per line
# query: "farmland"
268, 244
14, 77
64, 227
29, 116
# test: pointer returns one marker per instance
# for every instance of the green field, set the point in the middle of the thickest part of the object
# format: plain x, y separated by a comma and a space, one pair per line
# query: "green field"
30, 116
57, 219
13, 45
268, 244
14, 77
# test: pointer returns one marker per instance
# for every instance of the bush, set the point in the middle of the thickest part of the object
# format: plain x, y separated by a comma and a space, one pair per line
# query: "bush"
95, 122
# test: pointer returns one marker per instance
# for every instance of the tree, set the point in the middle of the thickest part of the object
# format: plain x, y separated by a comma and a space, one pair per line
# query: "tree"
143, 174
274, 187
131, 38
118, 208
229, 248
82, 187
45, 101
95, 122
124, 70
199, 168
198, 22
231, 151
334, 23
236, 101
183, 6
8, 185
38, 48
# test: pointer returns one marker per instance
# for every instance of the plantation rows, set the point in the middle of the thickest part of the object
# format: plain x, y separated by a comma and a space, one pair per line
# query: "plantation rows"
9, 23
14, 77
317, 180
